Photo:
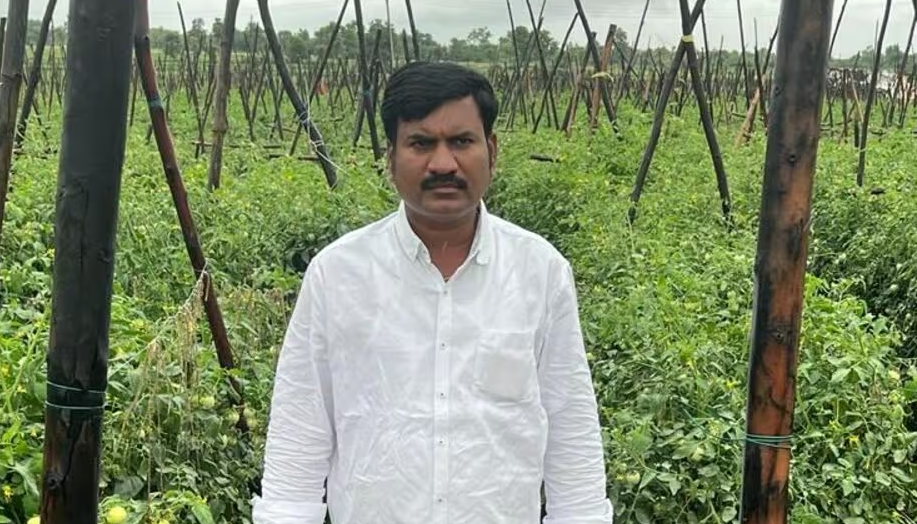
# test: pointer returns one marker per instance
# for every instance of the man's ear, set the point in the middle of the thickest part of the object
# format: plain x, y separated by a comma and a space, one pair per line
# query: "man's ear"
390, 157
492, 149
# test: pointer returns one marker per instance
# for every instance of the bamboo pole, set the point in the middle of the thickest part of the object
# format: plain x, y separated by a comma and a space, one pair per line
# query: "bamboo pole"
89, 184
792, 150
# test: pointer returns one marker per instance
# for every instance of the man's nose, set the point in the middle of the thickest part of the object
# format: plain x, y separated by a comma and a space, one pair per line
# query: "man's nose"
442, 160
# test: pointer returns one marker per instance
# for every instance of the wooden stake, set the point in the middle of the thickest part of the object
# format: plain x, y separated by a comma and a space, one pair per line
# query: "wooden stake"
792, 150
11, 71
35, 73
88, 190
182, 208
876, 70
223, 81
302, 109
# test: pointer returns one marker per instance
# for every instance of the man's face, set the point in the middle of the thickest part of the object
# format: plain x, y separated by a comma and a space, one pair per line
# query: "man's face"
442, 165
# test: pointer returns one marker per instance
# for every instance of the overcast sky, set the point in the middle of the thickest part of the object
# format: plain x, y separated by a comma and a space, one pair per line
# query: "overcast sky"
455, 18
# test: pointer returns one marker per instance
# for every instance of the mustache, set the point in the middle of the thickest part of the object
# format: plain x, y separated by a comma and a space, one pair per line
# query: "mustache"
445, 179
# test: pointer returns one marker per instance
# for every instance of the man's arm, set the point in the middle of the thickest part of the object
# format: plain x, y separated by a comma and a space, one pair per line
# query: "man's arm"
575, 482
300, 434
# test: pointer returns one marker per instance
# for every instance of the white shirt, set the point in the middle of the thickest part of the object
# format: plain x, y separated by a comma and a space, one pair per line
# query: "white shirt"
431, 402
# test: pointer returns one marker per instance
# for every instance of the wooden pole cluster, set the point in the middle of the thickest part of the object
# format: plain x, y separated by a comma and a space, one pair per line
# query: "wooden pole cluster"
685, 46
89, 184
792, 149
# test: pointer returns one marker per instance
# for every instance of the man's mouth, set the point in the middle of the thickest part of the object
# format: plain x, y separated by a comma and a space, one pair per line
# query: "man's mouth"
443, 183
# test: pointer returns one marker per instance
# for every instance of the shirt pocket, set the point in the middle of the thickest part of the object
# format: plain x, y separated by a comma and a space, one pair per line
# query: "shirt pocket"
504, 365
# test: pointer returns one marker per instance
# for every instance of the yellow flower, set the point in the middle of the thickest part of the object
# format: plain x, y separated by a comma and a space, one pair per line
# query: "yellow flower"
854, 440
5, 370
7, 492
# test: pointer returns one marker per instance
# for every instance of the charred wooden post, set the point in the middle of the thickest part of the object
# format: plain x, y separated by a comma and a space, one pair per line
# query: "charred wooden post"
837, 26
2, 35
404, 45
180, 199
744, 61
302, 109
870, 100
11, 71
414, 38
89, 184
792, 148
223, 81
35, 73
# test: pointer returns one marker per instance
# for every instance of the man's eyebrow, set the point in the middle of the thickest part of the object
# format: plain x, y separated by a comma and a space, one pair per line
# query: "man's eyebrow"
419, 135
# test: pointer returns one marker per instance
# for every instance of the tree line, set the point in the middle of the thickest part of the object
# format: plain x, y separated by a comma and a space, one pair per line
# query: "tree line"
480, 45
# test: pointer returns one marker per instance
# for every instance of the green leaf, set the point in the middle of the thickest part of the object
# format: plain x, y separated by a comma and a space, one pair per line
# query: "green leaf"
674, 485
847, 487
202, 513
128, 487
642, 517
840, 375
729, 514
883, 479
27, 478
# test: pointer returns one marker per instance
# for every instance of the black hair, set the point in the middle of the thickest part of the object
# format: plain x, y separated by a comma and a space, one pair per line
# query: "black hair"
418, 88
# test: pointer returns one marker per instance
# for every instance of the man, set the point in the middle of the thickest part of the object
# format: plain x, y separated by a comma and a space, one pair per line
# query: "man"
434, 371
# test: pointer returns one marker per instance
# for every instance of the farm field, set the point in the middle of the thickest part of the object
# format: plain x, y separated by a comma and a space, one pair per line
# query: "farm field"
665, 307
666, 302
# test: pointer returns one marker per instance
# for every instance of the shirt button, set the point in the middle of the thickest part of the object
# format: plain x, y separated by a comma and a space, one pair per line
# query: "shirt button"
442, 442
442, 395
442, 346
440, 499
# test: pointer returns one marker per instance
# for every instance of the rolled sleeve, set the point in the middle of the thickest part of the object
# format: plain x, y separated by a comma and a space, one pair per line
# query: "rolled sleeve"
300, 433
575, 481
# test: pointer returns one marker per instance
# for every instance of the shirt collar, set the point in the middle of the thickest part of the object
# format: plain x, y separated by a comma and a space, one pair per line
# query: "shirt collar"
481, 247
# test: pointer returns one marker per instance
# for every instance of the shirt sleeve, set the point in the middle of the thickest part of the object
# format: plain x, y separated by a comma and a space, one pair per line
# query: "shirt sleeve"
300, 433
575, 481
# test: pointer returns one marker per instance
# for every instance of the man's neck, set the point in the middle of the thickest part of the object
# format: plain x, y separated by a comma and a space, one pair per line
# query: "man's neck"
446, 237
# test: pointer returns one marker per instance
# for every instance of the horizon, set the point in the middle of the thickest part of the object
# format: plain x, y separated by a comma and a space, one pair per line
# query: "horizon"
445, 20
